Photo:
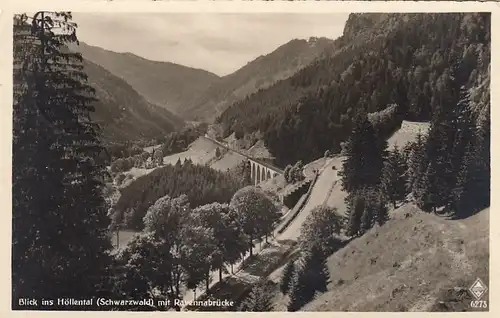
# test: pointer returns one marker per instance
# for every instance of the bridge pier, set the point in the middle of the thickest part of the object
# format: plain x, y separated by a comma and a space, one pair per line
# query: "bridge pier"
260, 172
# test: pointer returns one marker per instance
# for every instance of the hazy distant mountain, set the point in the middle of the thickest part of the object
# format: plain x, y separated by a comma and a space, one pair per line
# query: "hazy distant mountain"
168, 85
123, 113
257, 74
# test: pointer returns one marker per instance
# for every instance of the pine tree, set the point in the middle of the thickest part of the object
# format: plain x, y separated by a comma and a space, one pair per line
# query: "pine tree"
60, 222
462, 199
298, 289
367, 218
287, 276
382, 213
355, 210
311, 276
417, 165
316, 270
365, 153
259, 299
471, 189
428, 191
393, 181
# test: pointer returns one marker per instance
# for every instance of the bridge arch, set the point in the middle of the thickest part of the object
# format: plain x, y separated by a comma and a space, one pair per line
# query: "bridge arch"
258, 174
268, 176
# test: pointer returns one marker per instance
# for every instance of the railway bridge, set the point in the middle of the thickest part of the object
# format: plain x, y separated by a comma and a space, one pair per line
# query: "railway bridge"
259, 169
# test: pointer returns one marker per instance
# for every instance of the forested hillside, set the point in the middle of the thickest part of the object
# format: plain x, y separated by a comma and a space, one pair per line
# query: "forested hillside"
201, 184
122, 113
168, 85
418, 62
257, 74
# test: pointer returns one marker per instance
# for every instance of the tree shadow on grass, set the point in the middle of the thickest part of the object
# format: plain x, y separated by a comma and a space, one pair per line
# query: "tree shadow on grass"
231, 289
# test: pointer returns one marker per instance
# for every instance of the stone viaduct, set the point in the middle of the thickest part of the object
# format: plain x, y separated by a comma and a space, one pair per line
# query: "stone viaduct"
260, 170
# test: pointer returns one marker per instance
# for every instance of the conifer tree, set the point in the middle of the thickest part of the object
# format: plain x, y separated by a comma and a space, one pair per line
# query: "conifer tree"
259, 299
367, 217
298, 289
311, 276
60, 223
355, 209
463, 191
316, 270
382, 213
393, 181
471, 188
365, 153
287, 276
428, 190
417, 165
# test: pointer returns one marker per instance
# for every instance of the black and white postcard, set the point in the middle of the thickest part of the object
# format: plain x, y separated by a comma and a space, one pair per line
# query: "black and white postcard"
250, 156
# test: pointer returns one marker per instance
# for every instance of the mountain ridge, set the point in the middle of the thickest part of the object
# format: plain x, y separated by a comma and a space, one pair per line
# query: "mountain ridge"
122, 112
198, 94
165, 84
260, 73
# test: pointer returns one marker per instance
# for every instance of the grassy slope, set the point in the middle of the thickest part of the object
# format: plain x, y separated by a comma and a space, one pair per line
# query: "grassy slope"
200, 151
427, 256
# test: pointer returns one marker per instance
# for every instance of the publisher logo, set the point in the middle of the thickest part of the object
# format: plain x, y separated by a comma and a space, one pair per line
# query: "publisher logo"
478, 289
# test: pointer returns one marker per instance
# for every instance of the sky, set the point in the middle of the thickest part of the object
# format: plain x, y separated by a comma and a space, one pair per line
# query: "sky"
217, 42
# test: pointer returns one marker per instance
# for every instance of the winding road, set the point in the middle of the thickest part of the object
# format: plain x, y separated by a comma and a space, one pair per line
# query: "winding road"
319, 195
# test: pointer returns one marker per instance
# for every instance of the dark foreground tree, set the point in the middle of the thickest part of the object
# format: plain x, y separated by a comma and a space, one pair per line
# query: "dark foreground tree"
60, 246
260, 298
365, 153
311, 277
287, 276
355, 208
393, 177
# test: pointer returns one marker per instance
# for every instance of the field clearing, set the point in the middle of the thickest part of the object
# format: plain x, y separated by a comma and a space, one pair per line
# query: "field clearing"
407, 133
200, 151
228, 161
